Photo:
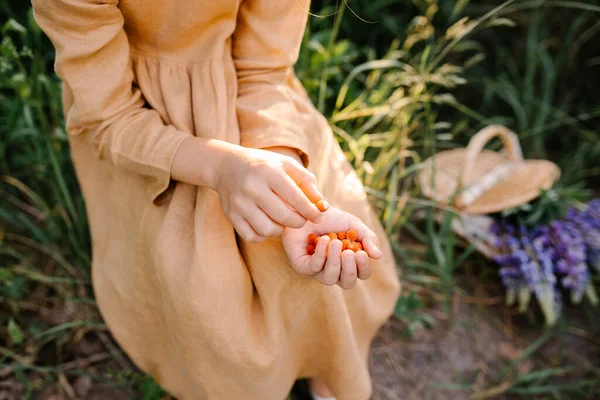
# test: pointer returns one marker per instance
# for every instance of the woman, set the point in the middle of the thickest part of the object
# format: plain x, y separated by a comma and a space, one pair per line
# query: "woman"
187, 125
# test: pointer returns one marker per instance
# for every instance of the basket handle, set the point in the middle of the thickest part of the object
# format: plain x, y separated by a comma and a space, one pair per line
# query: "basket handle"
478, 142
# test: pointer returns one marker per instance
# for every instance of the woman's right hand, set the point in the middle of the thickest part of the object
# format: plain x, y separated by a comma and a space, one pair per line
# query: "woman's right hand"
263, 192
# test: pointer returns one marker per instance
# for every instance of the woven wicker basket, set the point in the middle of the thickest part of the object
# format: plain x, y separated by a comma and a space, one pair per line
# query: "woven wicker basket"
478, 181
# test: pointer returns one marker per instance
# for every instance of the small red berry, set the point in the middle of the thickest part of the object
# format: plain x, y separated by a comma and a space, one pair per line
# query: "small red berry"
352, 235
322, 205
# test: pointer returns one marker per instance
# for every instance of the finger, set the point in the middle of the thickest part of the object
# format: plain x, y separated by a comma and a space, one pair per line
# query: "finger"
306, 180
348, 274
331, 273
261, 222
278, 211
367, 237
371, 246
317, 261
287, 189
363, 265
284, 189
245, 230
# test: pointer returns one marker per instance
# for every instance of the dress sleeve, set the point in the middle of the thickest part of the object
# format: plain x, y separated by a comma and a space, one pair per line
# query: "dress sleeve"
93, 61
266, 43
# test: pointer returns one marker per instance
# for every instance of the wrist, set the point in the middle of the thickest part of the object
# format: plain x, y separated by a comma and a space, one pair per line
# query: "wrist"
198, 161
222, 154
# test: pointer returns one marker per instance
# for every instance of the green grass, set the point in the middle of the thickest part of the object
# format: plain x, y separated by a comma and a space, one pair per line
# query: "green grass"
398, 81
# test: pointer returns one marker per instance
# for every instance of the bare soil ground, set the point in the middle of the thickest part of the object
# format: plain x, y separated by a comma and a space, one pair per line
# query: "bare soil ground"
414, 368
472, 354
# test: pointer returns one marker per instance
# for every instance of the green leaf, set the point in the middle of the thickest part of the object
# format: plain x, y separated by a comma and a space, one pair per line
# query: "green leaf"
14, 332
150, 389
14, 26
5, 274
408, 304
477, 58
531, 349
33, 26
15, 289
553, 388
591, 294
544, 374
502, 22
458, 8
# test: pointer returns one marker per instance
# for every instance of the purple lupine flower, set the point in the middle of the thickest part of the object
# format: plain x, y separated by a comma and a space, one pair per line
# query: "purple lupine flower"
521, 271
510, 257
495, 237
544, 253
570, 257
588, 222
593, 207
538, 260
539, 271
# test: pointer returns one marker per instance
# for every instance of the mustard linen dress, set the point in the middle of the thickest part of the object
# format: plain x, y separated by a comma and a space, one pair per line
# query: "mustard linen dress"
208, 315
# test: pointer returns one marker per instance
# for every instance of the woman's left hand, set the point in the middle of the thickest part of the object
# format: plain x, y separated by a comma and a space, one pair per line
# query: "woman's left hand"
329, 264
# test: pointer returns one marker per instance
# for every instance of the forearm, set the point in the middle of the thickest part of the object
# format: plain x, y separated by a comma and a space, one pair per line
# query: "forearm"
198, 159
